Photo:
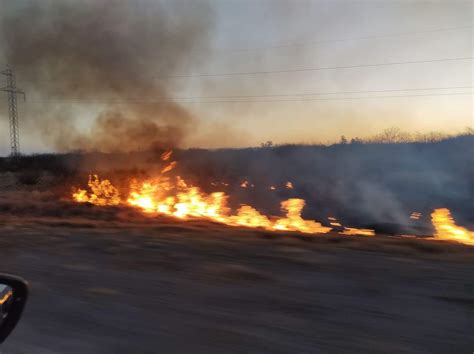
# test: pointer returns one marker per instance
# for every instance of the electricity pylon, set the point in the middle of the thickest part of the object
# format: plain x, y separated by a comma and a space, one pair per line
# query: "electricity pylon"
12, 109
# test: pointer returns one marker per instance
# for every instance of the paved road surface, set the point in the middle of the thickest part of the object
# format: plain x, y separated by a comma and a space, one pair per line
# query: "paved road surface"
159, 287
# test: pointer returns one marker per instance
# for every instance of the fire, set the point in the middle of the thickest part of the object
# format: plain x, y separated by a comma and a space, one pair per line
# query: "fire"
333, 221
166, 155
169, 167
250, 217
179, 199
352, 231
446, 228
102, 193
80, 196
294, 221
193, 203
143, 196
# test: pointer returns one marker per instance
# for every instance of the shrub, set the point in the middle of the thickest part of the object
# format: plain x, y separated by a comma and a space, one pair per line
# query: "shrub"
29, 178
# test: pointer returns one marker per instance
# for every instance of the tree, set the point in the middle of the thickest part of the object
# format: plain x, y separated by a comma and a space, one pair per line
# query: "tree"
392, 135
268, 144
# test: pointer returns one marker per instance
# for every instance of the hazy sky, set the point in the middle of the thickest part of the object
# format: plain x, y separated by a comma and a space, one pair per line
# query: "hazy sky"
256, 36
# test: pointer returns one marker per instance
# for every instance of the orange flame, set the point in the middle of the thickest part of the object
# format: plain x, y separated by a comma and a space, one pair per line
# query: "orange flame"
102, 193
184, 201
175, 197
333, 221
294, 221
169, 167
352, 231
143, 196
446, 228
250, 217
166, 155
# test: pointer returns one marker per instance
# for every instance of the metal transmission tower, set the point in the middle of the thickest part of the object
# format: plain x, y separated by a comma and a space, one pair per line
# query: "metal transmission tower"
12, 110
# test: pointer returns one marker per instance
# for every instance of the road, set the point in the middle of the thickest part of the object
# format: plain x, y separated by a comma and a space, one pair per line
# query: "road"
159, 286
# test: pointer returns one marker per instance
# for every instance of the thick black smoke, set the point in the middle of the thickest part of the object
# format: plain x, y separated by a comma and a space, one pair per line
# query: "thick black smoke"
110, 55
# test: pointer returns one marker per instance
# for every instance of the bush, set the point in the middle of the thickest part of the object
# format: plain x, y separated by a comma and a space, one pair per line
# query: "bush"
29, 178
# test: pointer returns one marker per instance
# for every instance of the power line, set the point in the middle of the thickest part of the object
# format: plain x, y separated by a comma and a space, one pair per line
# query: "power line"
174, 99
308, 69
277, 101
335, 99
289, 45
317, 69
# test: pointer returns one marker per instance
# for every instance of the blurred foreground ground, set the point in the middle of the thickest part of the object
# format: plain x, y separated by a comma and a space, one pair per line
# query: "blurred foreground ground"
105, 285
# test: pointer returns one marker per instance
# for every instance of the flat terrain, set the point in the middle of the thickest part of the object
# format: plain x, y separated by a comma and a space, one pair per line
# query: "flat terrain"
126, 284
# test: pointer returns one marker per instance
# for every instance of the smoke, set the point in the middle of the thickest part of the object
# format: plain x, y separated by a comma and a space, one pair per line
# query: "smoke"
110, 55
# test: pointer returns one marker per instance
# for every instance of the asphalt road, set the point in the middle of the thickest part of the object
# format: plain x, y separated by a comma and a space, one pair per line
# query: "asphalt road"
163, 287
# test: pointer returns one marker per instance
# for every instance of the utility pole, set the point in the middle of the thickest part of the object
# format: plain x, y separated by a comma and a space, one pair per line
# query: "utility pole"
12, 109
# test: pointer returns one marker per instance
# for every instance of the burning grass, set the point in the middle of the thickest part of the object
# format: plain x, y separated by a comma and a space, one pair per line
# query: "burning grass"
177, 199
446, 228
350, 190
183, 201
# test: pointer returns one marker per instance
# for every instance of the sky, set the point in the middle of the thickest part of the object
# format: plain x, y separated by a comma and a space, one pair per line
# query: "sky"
295, 103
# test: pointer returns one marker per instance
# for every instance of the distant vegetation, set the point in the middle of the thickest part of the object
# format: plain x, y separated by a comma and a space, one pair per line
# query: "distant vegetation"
30, 169
393, 135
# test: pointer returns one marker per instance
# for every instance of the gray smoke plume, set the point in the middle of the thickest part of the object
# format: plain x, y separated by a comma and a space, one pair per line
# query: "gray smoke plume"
109, 54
